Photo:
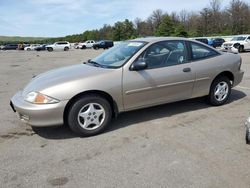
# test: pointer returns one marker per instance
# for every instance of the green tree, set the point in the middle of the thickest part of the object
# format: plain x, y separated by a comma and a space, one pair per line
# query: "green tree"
166, 28
180, 31
123, 30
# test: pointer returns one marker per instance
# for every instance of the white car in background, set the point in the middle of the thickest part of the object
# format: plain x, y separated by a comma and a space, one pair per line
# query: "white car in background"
239, 44
58, 46
87, 44
31, 47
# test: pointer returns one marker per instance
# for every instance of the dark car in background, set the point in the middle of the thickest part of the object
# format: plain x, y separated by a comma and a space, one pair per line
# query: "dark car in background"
217, 42
105, 44
40, 48
10, 47
203, 40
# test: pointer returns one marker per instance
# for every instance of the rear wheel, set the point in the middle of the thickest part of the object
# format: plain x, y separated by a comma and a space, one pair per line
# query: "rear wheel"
66, 48
83, 47
89, 115
220, 91
248, 136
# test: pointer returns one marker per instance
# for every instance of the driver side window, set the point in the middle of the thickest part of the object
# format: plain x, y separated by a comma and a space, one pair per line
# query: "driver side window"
164, 54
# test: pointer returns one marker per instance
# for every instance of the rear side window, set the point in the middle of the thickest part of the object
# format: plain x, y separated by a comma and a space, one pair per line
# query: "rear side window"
201, 52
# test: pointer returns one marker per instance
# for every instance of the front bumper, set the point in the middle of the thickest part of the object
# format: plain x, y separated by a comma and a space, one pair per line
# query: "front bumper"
230, 49
38, 115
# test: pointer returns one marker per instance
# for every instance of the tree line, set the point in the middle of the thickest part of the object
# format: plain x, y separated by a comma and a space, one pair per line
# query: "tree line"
213, 20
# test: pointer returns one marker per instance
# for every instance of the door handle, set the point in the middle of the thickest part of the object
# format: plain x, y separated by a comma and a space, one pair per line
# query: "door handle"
187, 69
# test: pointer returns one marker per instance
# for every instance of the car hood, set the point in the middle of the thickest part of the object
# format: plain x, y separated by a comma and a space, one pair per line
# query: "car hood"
58, 79
233, 42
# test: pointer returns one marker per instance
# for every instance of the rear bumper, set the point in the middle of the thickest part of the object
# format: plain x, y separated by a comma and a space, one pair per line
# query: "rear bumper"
238, 77
38, 115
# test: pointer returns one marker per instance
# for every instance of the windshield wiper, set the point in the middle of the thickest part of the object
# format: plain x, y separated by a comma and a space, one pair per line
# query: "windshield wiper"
98, 64
93, 63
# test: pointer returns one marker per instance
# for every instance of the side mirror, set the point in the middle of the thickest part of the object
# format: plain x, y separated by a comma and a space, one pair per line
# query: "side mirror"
139, 65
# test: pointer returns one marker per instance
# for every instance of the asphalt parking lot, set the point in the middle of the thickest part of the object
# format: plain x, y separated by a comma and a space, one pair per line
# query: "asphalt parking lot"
183, 144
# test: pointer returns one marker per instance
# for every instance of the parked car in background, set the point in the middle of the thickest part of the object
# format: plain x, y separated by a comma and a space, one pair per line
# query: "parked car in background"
241, 43
87, 44
247, 124
63, 45
78, 45
31, 47
20, 46
137, 74
104, 44
40, 47
217, 42
203, 40
1, 47
10, 47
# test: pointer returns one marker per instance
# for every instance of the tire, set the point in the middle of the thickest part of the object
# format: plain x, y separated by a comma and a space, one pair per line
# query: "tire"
239, 47
28, 49
247, 136
50, 49
95, 115
220, 91
66, 49
83, 47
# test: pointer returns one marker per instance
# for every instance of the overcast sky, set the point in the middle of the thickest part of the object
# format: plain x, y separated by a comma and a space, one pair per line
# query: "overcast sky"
53, 18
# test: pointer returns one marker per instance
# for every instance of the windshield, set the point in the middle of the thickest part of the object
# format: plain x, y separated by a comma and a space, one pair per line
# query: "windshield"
239, 38
119, 54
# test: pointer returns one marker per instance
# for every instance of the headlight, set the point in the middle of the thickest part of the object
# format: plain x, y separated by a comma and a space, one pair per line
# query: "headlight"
38, 98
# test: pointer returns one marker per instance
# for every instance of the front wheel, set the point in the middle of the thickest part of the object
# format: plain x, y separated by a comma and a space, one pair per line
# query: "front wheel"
239, 47
220, 91
50, 49
89, 115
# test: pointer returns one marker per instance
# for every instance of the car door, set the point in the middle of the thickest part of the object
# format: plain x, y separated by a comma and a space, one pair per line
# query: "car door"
168, 77
247, 44
57, 46
206, 64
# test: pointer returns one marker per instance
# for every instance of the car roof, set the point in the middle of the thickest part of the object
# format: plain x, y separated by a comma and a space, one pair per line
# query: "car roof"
158, 39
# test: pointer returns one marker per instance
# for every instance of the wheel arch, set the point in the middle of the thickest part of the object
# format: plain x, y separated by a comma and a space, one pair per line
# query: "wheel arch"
238, 44
100, 93
227, 74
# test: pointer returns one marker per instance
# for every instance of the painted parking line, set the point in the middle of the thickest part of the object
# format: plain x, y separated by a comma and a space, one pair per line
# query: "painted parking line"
241, 87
